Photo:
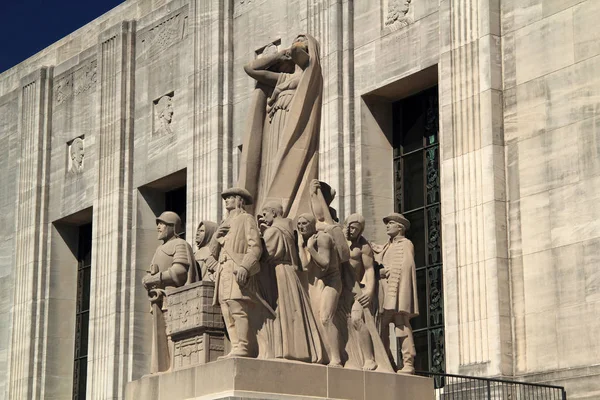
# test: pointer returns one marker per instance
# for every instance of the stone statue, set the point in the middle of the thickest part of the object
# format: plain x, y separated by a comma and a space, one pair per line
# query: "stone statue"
206, 262
296, 335
172, 266
319, 257
399, 282
76, 153
237, 247
280, 149
365, 286
164, 114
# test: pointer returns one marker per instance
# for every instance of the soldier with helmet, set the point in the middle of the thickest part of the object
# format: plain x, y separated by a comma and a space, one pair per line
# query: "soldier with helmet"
399, 282
173, 265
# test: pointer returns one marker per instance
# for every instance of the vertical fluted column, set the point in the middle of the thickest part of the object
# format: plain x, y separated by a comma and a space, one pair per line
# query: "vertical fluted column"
476, 268
331, 22
211, 162
25, 355
108, 364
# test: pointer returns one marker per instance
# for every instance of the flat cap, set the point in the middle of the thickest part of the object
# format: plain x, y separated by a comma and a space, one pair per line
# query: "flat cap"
399, 218
237, 191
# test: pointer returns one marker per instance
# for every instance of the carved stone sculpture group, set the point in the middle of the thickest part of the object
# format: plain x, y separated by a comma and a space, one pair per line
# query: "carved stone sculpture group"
298, 290
290, 280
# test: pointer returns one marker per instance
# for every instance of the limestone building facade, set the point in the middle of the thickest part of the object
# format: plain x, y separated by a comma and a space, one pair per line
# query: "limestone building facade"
475, 118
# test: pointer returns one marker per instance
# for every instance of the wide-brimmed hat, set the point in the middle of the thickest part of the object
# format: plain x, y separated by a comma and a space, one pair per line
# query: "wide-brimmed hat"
237, 191
399, 218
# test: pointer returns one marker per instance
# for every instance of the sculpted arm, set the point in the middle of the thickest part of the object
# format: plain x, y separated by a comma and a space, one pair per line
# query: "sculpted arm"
304, 258
322, 255
258, 69
409, 253
319, 206
273, 246
369, 265
176, 275
215, 247
250, 262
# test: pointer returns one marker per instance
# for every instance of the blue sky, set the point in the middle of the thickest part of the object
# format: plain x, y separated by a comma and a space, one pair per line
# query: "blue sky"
28, 26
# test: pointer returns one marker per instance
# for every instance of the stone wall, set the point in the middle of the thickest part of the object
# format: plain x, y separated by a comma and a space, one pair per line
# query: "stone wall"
551, 58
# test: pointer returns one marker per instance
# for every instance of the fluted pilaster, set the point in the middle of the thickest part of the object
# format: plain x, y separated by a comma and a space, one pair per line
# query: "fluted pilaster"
30, 265
108, 363
476, 270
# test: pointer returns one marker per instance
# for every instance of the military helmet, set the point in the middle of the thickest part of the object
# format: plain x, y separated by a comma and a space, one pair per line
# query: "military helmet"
171, 218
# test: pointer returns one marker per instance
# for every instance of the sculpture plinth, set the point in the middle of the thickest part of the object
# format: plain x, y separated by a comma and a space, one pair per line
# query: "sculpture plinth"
194, 325
246, 378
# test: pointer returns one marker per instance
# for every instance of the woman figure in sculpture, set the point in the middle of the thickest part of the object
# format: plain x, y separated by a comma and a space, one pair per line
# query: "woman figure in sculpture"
282, 138
206, 262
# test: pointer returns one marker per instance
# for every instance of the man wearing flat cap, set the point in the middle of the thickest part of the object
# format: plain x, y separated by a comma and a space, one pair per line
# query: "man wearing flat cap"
173, 265
399, 282
237, 247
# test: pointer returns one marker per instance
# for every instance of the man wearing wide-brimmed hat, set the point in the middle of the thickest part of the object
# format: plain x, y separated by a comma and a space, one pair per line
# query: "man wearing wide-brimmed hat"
399, 281
237, 246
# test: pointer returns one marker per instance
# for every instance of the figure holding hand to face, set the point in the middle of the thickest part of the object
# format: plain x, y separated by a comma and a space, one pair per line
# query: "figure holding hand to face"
320, 259
296, 335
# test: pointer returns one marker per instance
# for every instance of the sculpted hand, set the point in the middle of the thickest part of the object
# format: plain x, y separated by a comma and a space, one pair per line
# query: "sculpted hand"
364, 300
262, 224
150, 281
315, 185
311, 242
241, 276
384, 273
284, 55
222, 231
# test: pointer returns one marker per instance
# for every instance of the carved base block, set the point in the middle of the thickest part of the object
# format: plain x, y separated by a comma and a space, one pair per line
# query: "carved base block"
194, 325
198, 349
249, 378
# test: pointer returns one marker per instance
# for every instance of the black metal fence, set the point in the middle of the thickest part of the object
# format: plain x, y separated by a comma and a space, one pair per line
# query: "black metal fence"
459, 387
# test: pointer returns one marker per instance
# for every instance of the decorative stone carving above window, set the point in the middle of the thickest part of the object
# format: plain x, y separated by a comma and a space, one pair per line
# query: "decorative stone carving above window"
164, 33
399, 13
75, 82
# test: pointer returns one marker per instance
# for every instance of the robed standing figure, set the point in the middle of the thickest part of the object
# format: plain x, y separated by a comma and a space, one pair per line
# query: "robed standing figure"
280, 150
295, 331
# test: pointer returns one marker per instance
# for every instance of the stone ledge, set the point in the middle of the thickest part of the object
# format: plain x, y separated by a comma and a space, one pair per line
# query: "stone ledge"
272, 379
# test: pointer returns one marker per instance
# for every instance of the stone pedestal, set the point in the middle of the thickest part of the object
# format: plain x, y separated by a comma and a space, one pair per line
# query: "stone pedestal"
194, 325
248, 378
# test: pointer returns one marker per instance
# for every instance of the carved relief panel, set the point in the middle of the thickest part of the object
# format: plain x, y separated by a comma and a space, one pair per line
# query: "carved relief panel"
75, 82
74, 125
397, 14
163, 115
164, 33
76, 153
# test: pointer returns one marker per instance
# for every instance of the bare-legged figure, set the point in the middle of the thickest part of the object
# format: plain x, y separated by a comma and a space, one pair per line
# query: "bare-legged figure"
319, 258
362, 263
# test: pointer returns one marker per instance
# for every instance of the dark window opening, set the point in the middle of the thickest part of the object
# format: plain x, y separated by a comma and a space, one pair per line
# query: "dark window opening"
175, 200
82, 316
417, 197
